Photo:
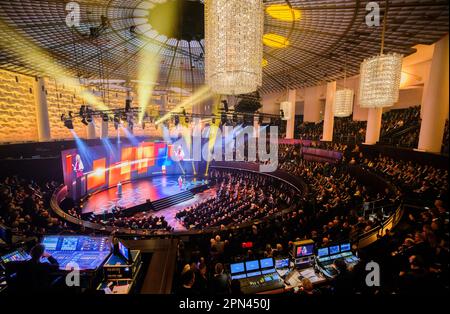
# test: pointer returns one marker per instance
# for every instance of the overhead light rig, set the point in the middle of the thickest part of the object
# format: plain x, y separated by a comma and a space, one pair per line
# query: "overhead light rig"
130, 115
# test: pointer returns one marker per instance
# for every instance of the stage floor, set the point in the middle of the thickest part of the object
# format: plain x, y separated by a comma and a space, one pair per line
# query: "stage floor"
136, 193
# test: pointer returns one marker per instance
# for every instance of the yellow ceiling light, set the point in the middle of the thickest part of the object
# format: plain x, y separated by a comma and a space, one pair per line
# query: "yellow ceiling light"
275, 41
264, 62
283, 12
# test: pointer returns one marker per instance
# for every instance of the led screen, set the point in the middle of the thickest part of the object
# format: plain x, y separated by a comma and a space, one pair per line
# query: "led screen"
89, 169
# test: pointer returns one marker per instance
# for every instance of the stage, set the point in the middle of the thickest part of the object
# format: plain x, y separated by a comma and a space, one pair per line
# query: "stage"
154, 190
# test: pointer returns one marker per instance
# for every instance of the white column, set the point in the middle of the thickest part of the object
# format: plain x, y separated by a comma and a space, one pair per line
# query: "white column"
43, 123
256, 125
328, 121
435, 101
312, 104
373, 125
91, 130
290, 122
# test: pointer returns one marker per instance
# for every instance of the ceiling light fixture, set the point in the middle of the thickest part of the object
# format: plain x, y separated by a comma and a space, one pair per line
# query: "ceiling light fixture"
275, 41
380, 77
233, 45
283, 12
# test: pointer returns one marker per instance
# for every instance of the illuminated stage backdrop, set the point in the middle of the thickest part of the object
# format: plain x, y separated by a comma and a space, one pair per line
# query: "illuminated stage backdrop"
89, 169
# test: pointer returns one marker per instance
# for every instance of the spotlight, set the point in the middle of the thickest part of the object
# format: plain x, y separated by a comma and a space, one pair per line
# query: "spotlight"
105, 118
184, 112
89, 119
68, 124
124, 117
63, 117
116, 118
282, 113
84, 121
213, 120
70, 114
186, 120
127, 105
82, 110
177, 120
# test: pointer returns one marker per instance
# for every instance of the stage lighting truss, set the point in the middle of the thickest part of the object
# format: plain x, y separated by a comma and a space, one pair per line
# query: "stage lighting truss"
130, 115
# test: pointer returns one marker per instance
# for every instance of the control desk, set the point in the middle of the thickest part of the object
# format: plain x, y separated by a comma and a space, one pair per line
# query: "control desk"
326, 257
88, 253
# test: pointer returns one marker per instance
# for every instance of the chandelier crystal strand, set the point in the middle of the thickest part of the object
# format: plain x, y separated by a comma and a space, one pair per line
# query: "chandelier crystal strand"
380, 81
343, 103
233, 45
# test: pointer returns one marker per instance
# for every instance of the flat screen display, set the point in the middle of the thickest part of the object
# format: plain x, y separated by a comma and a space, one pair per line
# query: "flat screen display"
266, 262
252, 265
282, 263
268, 271
15, 256
304, 250
322, 252
253, 274
87, 169
334, 249
124, 251
240, 276
237, 268
345, 247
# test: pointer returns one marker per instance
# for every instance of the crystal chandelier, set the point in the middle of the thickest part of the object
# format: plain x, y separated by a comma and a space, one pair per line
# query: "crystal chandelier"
343, 103
233, 45
380, 76
380, 81
343, 99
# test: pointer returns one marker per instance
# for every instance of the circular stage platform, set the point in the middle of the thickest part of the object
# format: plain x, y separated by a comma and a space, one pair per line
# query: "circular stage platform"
149, 193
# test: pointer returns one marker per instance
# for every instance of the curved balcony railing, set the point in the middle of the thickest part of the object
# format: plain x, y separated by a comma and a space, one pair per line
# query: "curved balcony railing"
361, 240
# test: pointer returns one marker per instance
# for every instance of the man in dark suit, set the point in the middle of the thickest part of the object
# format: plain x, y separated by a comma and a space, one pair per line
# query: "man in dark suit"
32, 275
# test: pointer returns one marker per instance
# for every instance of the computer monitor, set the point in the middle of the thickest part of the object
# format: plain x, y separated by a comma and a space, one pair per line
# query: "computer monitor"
252, 265
282, 263
253, 274
268, 271
334, 249
237, 268
240, 276
304, 250
15, 256
266, 262
124, 252
345, 247
322, 252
